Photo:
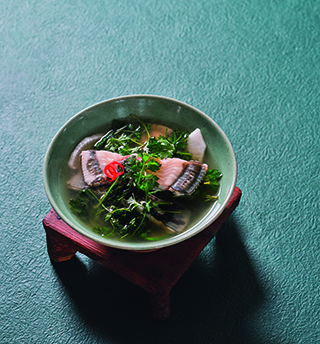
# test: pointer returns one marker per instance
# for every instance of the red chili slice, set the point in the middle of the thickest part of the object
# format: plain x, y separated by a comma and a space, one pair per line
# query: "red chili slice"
113, 170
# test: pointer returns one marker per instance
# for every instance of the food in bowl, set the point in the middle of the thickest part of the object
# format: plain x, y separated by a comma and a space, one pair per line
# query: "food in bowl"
140, 180
98, 119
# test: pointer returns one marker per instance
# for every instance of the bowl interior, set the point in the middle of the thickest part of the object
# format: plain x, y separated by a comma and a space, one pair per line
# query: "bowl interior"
153, 109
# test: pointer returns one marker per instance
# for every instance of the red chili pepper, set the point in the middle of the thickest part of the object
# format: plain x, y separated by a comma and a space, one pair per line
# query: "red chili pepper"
112, 170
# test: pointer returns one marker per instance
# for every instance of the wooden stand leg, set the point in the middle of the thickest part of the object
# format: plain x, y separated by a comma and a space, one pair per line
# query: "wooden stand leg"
160, 305
59, 248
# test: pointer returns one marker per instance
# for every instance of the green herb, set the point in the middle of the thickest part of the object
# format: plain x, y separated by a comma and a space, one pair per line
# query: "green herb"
125, 141
83, 203
209, 185
125, 204
102, 142
161, 146
174, 146
128, 201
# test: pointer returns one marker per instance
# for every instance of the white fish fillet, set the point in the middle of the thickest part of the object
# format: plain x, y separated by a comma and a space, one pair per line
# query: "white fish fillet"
93, 163
169, 172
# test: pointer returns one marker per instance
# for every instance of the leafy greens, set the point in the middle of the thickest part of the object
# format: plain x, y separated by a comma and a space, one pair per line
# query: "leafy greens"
130, 198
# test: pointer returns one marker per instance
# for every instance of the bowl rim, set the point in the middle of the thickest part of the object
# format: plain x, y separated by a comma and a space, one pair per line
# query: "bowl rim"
154, 245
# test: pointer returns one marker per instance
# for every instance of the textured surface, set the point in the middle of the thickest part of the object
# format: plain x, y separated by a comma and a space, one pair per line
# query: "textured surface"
254, 67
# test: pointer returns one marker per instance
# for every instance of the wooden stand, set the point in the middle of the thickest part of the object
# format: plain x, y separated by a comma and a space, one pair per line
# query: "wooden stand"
156, 272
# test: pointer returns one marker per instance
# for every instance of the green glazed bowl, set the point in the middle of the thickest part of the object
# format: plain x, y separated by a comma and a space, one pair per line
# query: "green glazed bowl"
152, 109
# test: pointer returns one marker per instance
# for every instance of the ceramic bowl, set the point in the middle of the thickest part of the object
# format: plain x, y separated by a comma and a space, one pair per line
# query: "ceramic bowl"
153, 109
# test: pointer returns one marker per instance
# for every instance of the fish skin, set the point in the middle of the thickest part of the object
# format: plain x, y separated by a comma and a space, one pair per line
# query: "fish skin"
169, 172
93, 163
189, 179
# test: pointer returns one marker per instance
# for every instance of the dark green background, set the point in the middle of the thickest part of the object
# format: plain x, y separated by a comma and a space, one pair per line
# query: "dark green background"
252, 66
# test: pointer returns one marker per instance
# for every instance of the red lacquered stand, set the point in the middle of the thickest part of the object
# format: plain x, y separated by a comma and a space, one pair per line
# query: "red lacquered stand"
156, 272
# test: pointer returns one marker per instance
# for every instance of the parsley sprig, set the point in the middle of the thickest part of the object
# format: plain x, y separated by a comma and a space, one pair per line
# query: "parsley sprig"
209, 186
126, 140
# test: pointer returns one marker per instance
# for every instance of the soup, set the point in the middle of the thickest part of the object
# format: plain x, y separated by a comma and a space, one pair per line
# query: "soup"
141, 181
